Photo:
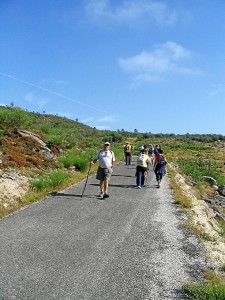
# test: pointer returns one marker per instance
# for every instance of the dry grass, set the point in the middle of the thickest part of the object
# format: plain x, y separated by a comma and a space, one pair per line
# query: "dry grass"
179, 196
20, 152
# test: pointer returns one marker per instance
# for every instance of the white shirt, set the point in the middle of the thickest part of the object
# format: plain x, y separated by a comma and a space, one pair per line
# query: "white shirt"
105, 158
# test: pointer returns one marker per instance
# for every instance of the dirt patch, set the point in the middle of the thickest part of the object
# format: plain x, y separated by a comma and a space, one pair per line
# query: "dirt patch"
203, 217
13, 187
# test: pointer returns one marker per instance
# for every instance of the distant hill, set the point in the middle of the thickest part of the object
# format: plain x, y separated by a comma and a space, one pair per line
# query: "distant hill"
66, 134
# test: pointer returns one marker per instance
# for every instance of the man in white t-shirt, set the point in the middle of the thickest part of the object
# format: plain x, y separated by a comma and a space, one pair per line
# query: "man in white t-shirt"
106, 160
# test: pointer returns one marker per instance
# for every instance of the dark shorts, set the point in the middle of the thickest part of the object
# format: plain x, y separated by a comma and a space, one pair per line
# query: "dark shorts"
103, 174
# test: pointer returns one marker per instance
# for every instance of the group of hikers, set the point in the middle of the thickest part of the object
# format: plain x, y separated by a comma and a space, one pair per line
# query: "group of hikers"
152, 155
147, 155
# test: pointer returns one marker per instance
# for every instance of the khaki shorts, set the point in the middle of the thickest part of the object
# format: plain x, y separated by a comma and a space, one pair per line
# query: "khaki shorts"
103, 174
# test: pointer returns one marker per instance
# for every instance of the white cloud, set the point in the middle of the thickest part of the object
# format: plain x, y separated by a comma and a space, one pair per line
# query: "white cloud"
130, 12
151, 66
217, 90
87, 120
31, 98
62, 114
41, 103
102, 127
107, 119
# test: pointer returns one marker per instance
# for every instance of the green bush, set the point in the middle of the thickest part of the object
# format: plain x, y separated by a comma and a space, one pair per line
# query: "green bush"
81, 163
49, 181
66, 161
198, 168
46, 128
205, 291
56, 139
14, 118
189, 146
77, 158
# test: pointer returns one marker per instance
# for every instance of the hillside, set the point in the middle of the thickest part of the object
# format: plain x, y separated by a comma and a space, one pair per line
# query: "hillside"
17, 150
57, 132
33, 144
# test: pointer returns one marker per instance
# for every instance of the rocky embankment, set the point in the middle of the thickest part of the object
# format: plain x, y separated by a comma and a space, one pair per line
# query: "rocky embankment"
25, 150
205, 216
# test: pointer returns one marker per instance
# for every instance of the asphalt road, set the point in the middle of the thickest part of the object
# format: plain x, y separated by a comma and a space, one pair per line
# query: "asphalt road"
129, 246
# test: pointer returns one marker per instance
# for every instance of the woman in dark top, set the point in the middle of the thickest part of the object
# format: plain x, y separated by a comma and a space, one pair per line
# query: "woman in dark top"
160, 166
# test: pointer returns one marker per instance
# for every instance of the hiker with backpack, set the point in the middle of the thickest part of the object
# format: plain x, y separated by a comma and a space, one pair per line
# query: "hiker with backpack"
143, 161
106, 160
127, 153
160, 166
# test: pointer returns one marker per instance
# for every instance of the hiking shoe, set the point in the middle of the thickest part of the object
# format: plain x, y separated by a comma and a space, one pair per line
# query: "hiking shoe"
101, 195
106, 195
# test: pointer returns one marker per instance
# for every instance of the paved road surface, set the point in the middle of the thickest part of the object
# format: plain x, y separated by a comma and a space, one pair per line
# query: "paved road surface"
129, 246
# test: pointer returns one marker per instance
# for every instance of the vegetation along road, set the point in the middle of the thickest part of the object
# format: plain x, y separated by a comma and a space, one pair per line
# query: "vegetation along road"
128, 246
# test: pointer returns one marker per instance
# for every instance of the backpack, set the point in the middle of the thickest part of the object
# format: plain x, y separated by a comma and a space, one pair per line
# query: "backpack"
127, 148
162, 160
140, 159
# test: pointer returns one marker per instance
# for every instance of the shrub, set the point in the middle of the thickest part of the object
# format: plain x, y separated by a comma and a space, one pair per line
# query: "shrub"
81, 163
198, 168
56, 139
205, 291
77, 158
49, 181
12, 118
66, 161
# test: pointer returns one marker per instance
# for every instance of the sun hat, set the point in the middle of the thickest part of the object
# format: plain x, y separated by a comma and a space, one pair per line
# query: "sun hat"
107, 144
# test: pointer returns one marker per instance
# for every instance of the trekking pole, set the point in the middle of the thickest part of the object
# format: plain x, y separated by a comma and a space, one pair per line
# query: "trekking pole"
86, 179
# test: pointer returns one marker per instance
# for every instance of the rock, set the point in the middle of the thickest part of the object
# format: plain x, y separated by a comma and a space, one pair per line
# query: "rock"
191, 180
26, 133
220, 216
215, 187
209, 201
46, 152
221, 190
221, 200
12, 188
210, 180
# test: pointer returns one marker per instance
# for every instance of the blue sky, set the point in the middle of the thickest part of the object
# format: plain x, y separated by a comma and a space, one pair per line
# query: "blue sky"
151, 65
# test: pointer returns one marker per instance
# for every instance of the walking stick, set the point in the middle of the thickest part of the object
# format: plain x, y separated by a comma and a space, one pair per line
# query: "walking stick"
86, 180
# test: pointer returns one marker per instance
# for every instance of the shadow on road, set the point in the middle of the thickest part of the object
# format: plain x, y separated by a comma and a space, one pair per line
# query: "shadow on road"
72, 195
122, 175
117, 185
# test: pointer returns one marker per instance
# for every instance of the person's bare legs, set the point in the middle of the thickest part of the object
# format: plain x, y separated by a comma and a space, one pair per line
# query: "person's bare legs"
102, 186
106, 184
